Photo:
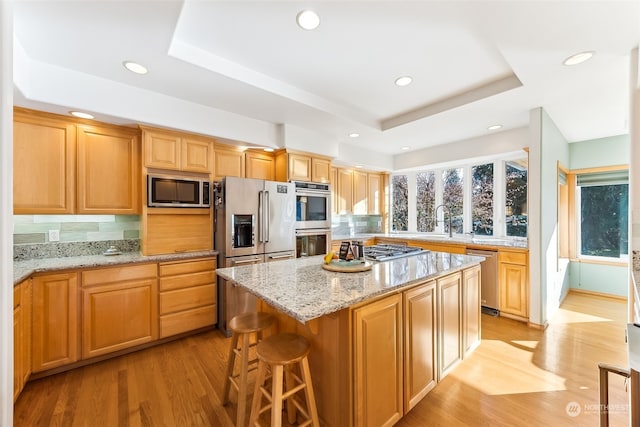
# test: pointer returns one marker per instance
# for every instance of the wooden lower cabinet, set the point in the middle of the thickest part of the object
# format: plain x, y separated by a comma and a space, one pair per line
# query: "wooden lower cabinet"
119, 308
449, 323
188, 296
378, 362
513, 282
471, 313
55, 321
420, 342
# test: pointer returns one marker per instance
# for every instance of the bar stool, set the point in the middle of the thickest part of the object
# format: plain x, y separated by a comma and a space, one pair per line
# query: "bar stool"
280, 353
243, 326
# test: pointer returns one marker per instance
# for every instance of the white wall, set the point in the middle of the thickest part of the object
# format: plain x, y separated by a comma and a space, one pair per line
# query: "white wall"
485, 146
634, 165
6, 213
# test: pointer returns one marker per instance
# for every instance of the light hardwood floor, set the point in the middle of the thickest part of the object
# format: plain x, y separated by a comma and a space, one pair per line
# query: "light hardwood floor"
518, 376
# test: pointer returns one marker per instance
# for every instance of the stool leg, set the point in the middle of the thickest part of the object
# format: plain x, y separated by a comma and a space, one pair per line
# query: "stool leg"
276, 395
289, 384
257, 393
308, 391
242, 393
230, 365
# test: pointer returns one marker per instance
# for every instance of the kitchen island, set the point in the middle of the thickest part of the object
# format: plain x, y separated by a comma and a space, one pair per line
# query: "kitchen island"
381, 339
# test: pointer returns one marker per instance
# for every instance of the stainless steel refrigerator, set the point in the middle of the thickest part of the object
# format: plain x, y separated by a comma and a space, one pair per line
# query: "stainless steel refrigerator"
254, 223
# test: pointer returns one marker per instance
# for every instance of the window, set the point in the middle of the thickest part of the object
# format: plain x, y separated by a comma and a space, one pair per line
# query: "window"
400, 203
426, 201
516, 198
452, 197
482, 199
604, 202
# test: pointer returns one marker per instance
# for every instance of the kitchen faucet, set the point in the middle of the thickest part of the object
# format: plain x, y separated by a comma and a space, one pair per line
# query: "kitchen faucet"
444, 207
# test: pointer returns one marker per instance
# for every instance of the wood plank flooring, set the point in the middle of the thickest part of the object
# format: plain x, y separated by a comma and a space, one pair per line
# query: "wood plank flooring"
518, 376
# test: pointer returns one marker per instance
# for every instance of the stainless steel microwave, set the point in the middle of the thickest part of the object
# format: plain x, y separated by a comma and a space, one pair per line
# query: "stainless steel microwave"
177, 192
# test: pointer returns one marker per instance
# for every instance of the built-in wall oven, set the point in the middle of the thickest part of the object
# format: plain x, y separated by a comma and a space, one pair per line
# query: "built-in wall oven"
313, 205
312, 242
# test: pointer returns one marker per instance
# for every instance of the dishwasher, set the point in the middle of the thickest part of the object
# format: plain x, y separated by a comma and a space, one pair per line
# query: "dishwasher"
488, 280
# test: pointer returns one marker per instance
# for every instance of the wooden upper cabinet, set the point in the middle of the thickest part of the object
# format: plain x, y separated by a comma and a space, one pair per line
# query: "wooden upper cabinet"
229, 161
44, 159
259, 165
175, 151
334, 191
299, 167
108, 170
195, 155
360, 181
374, 194
320, 170
345, 191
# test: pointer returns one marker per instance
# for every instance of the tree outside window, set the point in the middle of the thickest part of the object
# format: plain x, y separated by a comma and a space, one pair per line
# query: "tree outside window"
426, 201
400, 203
516, 199
452, 198
604, 220
482, 199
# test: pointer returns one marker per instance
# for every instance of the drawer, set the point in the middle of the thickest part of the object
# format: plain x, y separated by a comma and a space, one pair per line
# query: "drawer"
187, 280
185, 267
184, 321
119, 274
184, 299
513, 257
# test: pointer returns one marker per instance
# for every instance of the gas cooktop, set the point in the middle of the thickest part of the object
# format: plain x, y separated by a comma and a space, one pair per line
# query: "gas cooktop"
386, 252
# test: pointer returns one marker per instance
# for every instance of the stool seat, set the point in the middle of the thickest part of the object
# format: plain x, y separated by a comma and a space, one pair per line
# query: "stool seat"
243, 327
283, 349
247, 323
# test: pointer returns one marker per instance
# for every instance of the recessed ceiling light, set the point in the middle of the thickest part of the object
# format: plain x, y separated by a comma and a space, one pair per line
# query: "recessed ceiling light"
81, 114
354, 135
403, 81
308, 20
269, 150
495, 127
405, 148
359, 166
135, 67
578, 58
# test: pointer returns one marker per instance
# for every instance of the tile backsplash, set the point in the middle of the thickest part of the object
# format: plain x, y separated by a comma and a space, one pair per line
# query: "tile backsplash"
78, 234
348, 225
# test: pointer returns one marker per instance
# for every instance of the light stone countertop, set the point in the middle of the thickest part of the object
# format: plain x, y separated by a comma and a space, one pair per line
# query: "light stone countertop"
23, 269
477, 241
302, 289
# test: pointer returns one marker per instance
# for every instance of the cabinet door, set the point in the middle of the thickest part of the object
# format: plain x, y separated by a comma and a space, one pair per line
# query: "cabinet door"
195, 155
378, 362
360, 193
17, 351
118, 316
320, 170
161, 151
259, 166
420, 343
25, 352
374, 194
55, 321
334, 191
44, 159
471, 314
299, 167
513, 289
345, 191
228, 162
108, 171
449, 323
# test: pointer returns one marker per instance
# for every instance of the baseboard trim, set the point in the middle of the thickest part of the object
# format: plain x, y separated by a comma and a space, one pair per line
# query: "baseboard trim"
597, 294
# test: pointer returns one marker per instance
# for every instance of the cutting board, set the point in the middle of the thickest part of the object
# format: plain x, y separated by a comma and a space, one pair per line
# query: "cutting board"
342, 266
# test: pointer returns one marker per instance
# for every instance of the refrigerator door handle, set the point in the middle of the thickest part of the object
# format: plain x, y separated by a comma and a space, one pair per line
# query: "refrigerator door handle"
261, 216
267, 215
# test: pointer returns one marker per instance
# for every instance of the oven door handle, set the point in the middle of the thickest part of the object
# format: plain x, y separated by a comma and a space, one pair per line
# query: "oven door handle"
310, 192
313, 232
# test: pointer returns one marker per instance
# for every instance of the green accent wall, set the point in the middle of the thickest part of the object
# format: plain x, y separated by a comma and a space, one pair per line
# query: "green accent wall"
610, 151
606, 279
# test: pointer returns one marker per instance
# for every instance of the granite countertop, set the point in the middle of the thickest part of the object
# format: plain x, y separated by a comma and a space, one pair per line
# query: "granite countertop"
23, 269
478, 241
302, 289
